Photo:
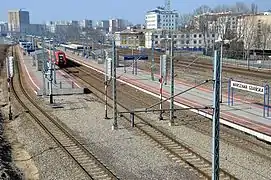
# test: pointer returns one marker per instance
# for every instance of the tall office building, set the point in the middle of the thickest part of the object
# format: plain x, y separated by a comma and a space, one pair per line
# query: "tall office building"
117, 25
18, 20
161, 18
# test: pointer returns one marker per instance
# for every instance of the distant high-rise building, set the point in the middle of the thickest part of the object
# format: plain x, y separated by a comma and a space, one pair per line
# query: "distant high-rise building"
103, 25
160, 18
18, 20
86, 23
3, 27
117, 25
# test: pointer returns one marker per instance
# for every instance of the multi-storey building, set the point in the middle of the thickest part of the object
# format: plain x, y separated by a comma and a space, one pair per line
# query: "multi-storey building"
217, 22
160, 18
3, 28
85, 23
133, 38
103, 25
116, 25
189, 40
255, 31
18, 20
34, 29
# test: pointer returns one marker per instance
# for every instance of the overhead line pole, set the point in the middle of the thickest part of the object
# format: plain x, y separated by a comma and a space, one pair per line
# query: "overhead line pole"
51, 77
172, 86
152, 54
216, 113
114, 86
106, 83
44, 63
54, 56
220, 71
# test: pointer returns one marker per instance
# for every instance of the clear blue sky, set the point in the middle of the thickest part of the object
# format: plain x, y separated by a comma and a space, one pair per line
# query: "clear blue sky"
132, 10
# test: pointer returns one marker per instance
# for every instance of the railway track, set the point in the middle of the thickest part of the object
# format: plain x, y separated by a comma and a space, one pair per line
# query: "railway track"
177, 151
87, 163
204, 126
200, 65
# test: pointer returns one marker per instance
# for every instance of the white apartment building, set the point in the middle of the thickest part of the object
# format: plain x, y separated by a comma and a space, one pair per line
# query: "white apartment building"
161, 19
217, 22
255, 31
189, 40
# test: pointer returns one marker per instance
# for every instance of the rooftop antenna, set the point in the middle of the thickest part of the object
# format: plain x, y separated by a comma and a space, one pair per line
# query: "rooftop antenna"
167, 5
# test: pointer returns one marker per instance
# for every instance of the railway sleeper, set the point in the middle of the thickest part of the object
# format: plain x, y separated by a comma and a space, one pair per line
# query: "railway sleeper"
173, 145
83, 157
96, 172
86, 161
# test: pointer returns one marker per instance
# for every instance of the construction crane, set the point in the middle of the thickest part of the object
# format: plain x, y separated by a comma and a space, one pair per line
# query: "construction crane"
167, 5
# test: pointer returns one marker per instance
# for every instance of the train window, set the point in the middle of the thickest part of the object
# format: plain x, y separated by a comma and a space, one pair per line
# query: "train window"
60, 56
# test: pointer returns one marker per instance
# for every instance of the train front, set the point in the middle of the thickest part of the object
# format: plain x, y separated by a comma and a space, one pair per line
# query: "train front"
61, 59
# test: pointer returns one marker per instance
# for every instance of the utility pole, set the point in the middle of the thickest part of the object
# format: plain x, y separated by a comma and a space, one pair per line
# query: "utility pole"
220, 71
171, 116
114, 86
106, 81
54, 56
152, 55
161, 87
216, 113
44, 63
51, 78
9, 63
133, 64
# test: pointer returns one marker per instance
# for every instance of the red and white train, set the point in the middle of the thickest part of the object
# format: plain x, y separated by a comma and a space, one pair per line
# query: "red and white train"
59, 57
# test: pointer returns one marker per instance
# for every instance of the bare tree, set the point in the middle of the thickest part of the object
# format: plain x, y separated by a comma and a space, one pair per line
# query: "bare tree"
254, 8
185, 20
203, 19
222, 8
248, 33
265, 34
240, 7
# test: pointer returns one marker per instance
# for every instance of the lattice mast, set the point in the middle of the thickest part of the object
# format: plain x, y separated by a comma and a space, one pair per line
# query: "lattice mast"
167, 5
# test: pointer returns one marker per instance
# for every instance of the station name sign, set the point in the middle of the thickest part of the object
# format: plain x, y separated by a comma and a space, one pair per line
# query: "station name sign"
247, 87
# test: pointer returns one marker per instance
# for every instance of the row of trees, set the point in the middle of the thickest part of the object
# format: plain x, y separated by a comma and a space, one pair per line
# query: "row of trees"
249, 34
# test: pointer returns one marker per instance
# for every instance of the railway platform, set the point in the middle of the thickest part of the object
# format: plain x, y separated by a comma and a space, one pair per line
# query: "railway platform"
64, 84
244, 116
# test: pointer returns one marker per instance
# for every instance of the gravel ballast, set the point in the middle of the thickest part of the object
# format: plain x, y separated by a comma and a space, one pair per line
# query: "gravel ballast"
239, 161
125, 151
8, 170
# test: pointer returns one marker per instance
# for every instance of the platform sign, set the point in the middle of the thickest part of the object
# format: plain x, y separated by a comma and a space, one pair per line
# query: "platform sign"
163, 65
247, 87
265, 91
